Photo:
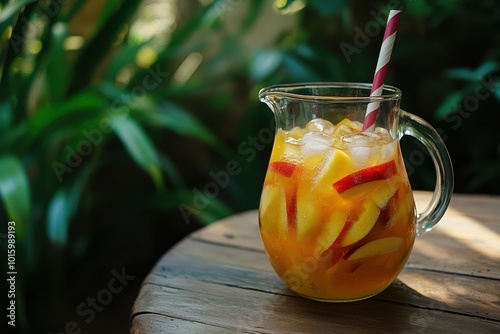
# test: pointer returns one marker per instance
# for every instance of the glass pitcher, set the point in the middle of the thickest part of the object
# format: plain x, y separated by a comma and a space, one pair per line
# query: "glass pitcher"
337, 216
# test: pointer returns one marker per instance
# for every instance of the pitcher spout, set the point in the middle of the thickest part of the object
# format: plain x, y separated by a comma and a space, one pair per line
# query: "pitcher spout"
270, 98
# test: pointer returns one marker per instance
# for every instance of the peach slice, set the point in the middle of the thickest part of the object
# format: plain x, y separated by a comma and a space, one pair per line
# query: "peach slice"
366, 175
285, 174
278, 146
331, 231
401, 208
283, 150
363, 225
383, 194
376, 248
272, 209
308, 215
380, 192
337, 165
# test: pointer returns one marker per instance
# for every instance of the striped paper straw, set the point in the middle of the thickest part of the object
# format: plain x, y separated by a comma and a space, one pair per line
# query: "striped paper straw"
382, 64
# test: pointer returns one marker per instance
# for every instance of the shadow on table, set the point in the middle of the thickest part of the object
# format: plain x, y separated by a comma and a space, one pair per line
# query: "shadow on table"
398, 309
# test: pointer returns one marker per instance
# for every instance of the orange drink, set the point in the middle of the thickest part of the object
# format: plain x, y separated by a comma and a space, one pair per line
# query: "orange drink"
337, 216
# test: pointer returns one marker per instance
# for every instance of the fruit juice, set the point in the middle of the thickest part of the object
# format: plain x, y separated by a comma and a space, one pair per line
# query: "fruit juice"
336, 215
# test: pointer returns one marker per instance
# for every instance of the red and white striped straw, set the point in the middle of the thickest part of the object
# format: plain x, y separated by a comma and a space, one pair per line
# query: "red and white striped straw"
383, 62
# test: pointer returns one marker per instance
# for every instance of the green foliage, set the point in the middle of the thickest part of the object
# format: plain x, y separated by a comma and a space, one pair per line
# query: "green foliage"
103, 140
15, 191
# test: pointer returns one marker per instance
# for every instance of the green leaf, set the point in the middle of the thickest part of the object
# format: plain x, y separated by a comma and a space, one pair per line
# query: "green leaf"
472, 75
139, 146
419, 8
194, 206
496, 90
63, 207
182, 122
486, 69
125, 56
449, 104
57, 68
252, 16
5, 115
110, 6
297, 69
15, 192
287, 4
215, 12
10, 11
100, 44
169, 168
58, 218
178, 46
83, 103
203, 18
328, 8
265, 63
461, 74
61, 117
76, 5
205, 208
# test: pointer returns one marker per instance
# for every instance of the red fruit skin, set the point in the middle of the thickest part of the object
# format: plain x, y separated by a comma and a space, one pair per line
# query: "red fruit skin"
283, 167
336, 251
373, 173
383, 218
291, 210
387, 211
287, 169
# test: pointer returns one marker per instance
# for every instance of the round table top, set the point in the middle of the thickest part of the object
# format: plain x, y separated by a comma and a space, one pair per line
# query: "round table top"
219, 280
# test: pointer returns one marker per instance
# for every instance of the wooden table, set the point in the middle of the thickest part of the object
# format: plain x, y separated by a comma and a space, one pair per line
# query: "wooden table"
219, 280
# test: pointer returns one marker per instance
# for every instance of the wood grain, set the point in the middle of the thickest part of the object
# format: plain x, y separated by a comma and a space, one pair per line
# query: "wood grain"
219, 280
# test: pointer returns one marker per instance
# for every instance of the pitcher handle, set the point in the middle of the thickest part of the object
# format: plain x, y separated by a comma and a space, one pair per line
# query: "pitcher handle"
415, 126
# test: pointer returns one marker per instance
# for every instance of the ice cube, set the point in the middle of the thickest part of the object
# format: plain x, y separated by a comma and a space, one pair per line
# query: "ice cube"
295, 133
388, 151
360, 156
347, 126
314, 143
320, 125
383, 134
364, 139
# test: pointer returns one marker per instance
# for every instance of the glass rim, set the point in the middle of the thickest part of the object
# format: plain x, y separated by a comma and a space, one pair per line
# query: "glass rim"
290, 91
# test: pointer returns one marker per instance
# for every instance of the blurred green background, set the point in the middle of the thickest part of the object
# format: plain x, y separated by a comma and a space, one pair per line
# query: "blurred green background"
115, 116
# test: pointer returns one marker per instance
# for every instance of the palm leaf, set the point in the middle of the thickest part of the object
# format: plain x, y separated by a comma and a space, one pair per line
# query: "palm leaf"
10, 12
63, 207
139, 146
15, 192
99, 45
